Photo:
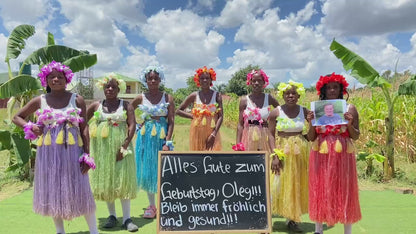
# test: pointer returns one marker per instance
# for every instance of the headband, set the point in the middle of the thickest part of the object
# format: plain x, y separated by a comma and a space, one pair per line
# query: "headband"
149, 69
201, 71
286, 86
262, 73
47, 69
112, 76
323, 80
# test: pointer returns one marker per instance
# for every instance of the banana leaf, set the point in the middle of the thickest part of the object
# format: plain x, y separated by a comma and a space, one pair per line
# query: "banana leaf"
360, 69
19, 85
79, 60
409, 87
51, 39
21, 147
5, 140
16, 42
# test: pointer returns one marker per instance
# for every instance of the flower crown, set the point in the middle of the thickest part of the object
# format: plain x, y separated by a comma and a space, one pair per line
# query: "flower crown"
201, 71
47, 69
112, 76
262, 73
149, 69
286, 86
323, 80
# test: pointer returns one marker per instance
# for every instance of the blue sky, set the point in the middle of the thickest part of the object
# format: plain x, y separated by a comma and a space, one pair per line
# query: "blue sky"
289, 39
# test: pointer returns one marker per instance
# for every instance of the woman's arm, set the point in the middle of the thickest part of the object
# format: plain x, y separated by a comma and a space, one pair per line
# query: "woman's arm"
273, 101
311, 136
188, 101
91, 109
20, 118
137, 101
211, 138
84, 125
240, 126
272, 127
171, 121
353, 125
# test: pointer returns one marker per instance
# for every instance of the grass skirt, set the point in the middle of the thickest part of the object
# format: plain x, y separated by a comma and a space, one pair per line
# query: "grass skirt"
149, 142
256, 138
200, 131
290, 198
60, 189
112, 179
333, 186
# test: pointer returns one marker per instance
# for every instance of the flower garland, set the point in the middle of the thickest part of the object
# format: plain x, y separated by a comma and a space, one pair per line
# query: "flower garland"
238, 147
205, 109
85, 158
323, 80
286, 86
149, 69
262, 73
201, 71
155, 110
332, 130
112, 76
29, 134
47, 69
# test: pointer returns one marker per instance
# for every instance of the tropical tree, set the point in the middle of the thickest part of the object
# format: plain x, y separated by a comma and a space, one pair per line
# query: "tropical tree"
366, 74
22, 87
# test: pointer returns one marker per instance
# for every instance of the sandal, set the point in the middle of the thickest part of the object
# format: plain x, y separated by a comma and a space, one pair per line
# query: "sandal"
150, 212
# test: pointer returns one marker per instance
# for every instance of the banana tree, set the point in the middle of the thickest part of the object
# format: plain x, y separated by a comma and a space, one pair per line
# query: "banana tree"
366, 74
22, 87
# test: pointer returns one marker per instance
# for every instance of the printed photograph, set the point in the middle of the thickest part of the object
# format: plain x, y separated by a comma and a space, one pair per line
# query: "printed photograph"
329, 112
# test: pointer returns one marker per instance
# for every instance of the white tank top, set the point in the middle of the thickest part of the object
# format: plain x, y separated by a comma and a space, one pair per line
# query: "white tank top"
72, 103
117, 116
159, 109
264, 111
286, 124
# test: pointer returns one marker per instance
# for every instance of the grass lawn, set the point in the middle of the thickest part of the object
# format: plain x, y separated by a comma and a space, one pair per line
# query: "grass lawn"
383, 212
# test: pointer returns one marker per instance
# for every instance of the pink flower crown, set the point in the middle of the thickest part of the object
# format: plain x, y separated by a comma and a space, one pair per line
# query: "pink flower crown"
47, 69
262, 73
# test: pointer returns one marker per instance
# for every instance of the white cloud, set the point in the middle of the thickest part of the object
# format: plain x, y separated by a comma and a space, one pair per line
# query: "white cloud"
283, 46
96, 26
182, 39
237, 12
357, 17
23, 12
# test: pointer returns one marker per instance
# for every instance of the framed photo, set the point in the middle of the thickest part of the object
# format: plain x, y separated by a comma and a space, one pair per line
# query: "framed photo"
329, 112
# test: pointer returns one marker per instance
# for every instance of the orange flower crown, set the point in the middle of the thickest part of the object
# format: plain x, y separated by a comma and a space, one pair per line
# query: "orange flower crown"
323, 80
202, 70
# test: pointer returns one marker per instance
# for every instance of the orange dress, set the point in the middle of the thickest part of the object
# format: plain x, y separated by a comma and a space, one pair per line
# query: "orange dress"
204, 120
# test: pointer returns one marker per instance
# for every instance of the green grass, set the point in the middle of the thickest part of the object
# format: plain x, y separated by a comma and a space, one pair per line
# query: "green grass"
382, 211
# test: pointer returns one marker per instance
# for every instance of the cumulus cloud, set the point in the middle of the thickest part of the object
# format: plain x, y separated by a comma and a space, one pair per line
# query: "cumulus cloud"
283, 46
28, 11
357, 17
183, 39
237, 12
96, 26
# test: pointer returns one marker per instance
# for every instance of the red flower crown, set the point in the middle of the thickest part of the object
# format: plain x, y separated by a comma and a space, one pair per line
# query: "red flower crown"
202, 70
332, 78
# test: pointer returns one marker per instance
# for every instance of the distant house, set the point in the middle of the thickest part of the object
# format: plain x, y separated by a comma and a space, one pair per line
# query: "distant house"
133, 87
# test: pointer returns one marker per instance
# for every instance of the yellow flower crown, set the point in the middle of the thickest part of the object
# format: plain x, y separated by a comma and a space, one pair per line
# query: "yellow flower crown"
112, 76
286, 86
